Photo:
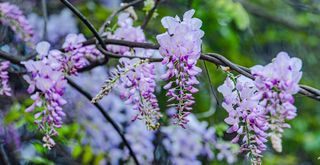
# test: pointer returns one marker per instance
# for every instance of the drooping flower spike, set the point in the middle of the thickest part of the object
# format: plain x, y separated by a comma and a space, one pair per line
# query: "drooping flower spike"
47, 82
246, 117
133, 78
277, 82
259, 108
181, 48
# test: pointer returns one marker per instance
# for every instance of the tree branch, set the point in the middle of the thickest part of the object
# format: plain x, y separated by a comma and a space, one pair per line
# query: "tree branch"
106, 116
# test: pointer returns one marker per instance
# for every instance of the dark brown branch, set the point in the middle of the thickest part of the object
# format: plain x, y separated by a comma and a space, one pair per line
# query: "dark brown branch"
9, 57
110, 54
150, 14
220, 60
123, 43
210, 57
106, 116
111, 17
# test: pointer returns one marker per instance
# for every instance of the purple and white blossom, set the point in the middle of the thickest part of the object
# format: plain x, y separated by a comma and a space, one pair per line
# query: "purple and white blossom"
4, 78
259, 108
47, 87
134, 78
246, 117
277, 82
181, 48
13, 17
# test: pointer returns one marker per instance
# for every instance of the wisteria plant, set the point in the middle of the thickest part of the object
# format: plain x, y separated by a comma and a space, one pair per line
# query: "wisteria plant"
139, 70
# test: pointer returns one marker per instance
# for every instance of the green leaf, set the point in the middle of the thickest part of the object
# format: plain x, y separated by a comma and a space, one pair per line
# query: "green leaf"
76, 151
148, 5
88, 155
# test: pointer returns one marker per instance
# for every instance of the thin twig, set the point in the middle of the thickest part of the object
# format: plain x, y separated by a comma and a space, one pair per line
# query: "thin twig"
9, 57
106, 116
150, 14
4, 155
210, 82
45, 19
111, 17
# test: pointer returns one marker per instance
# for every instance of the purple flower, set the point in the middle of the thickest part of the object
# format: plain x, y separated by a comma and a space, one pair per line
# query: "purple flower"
4, 79
181, 48
135, 81
246, 116
277, 82
13, 17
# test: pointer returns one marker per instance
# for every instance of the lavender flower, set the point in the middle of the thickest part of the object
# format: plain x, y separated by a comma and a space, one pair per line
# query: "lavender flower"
181, 48
246, 116
13, 17
277, 82
99, 133
134, 78
47, 83
136, 83
4, 79
47, 86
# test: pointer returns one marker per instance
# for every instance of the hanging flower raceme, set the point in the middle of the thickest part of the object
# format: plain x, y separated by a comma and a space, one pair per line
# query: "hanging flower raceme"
47, 84
13, 17
4, 79
181, 48
246, 117
259, 109
277, 82
134, 78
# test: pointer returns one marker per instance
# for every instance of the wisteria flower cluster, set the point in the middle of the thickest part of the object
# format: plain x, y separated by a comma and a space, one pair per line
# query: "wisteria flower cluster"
259, 109
134, 78
277, 82
13, 17
201, 141
4, 78
100, 134
246, 117
181, 48
47, 81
